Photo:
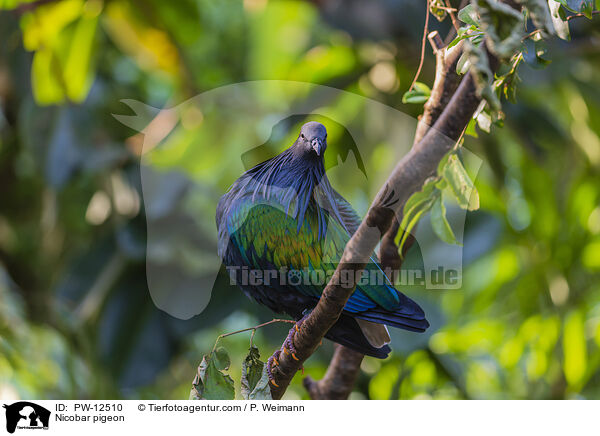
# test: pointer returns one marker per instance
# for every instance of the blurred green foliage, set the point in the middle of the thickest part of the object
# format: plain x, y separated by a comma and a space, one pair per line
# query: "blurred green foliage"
76, 317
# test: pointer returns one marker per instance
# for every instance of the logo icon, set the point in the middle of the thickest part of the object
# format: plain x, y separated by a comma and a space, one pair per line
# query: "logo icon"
26, 415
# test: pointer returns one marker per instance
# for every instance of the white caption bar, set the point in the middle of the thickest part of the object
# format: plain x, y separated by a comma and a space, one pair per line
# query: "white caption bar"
300, 417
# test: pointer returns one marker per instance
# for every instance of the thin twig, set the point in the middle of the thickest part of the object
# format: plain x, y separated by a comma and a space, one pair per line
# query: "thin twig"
453, 31
570, 17
256, 327
447, 8
529, 35
451, 11
423, 42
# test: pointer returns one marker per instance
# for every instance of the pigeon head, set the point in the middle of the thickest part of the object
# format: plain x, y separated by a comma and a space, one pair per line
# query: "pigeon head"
312, 139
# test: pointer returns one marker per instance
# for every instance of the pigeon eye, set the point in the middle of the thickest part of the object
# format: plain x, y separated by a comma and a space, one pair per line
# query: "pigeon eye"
302, 135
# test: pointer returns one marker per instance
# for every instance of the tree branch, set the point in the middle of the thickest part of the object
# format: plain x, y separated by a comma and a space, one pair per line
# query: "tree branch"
409, 174
345, 364
339, 378
444, 86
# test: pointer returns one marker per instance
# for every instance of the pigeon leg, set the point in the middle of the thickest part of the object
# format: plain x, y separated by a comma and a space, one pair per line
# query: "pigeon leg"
273, 360
288, 344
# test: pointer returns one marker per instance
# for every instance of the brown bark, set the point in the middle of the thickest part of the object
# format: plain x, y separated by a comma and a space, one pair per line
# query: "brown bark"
409, 175
445, 84
340, 377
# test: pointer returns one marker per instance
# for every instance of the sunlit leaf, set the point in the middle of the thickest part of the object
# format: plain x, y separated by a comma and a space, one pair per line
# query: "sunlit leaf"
46, 78
574, 348
587, 9
42, 26
418, 94
78, 69
470, 130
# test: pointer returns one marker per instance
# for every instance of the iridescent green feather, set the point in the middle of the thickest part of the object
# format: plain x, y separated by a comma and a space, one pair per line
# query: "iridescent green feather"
268, 234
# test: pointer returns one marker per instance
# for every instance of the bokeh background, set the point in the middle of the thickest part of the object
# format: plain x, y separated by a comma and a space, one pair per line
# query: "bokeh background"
76, 316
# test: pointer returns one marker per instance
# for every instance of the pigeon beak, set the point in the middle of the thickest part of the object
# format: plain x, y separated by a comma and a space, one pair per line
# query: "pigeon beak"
316, 145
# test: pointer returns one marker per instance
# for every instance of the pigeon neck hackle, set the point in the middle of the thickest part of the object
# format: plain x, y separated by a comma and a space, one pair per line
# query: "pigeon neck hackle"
296, 179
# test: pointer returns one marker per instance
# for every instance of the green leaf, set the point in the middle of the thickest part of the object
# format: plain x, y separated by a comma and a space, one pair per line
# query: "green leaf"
468, 15
470, 130
255, 380
463, 64
467, 32
507, 81
503, 25
63, 38
535, 54
571, 5
484, 121
45, 82
540, 14
440, 224
221, 359
418, 94
210, 383
578, 6
483, 76
461, 184
415, 201
415, 207
78, 71
587, 9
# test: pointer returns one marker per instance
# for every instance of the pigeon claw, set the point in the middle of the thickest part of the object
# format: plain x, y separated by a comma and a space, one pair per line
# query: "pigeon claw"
273, 360
289, 341
288, 344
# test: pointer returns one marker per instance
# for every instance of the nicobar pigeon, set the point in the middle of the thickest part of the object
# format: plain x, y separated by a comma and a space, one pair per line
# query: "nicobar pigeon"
284, 215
